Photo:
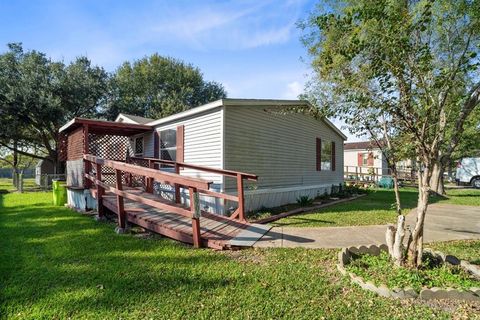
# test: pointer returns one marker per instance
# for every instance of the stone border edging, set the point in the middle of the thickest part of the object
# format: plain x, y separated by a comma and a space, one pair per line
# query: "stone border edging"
346, 255
304, 209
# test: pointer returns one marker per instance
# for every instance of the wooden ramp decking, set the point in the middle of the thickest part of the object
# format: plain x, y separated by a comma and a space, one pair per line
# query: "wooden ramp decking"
216, 231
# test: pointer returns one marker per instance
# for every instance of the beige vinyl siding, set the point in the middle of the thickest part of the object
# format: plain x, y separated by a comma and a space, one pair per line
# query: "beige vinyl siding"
279, 148
202, 142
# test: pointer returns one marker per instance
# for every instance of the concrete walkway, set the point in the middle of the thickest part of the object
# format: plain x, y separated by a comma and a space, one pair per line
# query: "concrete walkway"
443, 222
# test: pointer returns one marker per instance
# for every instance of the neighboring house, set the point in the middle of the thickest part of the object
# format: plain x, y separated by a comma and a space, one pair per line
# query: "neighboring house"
292, 153
366, 159
43, 167
128, 118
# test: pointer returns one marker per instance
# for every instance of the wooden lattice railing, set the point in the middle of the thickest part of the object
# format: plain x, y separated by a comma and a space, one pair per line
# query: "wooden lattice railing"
122, 169
239, 198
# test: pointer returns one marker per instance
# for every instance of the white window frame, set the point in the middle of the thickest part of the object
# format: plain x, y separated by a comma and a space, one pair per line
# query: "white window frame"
323, 154
365, 156
160, 149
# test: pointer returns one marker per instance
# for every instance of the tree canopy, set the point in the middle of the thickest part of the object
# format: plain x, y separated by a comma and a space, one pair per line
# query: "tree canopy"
38, 96
412, 65
157, 86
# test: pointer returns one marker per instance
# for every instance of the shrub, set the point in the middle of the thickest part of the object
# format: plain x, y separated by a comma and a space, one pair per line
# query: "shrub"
304, 201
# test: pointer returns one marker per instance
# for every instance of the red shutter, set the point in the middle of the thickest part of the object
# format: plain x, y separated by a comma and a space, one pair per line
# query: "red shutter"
360, 159
180, 143
156, 144
319, 154
333, 156
370, 159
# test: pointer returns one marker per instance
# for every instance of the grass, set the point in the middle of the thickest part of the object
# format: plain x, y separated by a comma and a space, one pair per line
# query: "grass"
380, 270
58, 264
377, 208
6, 184
468, 250
467, 197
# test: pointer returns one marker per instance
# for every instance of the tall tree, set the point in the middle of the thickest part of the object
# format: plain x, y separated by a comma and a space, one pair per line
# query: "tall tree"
38, 96
156, 86
414, 61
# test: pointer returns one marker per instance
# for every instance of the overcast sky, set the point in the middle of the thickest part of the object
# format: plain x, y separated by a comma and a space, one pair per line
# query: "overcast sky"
252, 47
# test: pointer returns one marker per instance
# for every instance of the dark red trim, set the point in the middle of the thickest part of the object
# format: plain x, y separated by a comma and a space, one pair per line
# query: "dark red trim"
333, 156
319, 154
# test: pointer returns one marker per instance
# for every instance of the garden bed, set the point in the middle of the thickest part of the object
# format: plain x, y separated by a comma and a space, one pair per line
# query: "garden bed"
276, 214
441, 276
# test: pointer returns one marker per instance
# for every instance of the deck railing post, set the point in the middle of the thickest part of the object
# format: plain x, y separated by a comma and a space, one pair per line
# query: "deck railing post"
195, 209
100, 191
149, 186
241, 198
120, 203
178, 198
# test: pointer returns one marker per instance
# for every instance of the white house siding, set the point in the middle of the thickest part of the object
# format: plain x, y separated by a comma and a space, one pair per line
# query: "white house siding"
75, 173
351, 161
202, 146
281, 150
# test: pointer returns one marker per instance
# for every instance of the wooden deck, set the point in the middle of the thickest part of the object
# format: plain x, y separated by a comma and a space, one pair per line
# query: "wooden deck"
216, 232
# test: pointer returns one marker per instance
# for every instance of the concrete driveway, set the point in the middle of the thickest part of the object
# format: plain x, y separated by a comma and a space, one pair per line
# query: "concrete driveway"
443, 222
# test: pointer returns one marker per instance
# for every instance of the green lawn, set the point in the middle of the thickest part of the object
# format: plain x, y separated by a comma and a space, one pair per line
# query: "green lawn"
463, 249
469, 197
381, 270
375, 208
58, 264
6, 184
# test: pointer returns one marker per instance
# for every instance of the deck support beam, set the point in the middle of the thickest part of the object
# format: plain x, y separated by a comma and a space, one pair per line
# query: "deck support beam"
195, 208
100, 192
241, 197
178, 198
149, 183
120, 203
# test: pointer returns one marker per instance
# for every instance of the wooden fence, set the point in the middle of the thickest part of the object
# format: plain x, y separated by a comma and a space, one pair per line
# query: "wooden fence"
374, 174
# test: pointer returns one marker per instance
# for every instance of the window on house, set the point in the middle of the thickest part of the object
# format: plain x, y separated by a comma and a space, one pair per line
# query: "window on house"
364, 159
168, 144
139, 146
326, 157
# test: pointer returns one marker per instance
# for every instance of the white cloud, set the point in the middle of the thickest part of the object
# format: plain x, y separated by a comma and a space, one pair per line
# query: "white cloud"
294, 89
243, 25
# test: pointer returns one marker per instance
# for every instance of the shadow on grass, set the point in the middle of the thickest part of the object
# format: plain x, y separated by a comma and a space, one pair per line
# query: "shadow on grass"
55, 255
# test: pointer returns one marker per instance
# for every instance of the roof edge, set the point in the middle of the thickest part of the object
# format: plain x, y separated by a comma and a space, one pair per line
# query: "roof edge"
243, 102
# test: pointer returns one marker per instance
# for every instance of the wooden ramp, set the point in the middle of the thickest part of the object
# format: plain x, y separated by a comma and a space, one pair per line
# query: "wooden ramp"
216, 231
139, 205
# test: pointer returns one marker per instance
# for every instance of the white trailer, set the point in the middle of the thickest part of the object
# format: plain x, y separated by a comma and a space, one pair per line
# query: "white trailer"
468, 171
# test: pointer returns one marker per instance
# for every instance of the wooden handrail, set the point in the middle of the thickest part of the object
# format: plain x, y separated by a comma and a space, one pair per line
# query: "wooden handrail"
162, 176
230, 173
157, 203
170, 178
239, 176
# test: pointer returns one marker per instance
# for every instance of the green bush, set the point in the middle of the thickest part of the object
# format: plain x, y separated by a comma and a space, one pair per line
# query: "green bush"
304, 201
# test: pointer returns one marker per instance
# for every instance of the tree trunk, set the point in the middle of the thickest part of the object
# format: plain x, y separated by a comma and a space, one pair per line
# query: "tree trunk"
416, 245
436, 181
396, 188
398, 244
15, 163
